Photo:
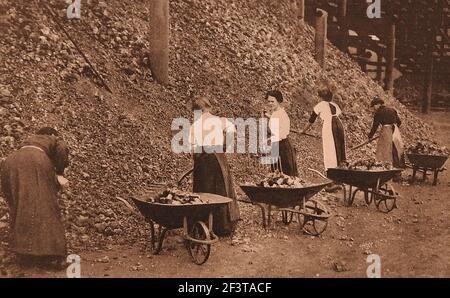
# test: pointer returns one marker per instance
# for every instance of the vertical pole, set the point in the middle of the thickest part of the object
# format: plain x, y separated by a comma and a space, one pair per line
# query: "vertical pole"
428, 88
390, 58
379, 66
159, 40
343, 25
301, 10
321, 36
364, 58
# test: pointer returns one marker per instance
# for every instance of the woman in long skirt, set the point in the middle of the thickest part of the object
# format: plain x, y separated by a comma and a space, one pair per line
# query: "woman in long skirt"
390, 148
333, 133
279, 124
211, 170
30, 185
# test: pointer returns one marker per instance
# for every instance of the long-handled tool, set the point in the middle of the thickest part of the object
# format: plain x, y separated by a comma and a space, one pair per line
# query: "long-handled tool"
365, 143
319, 173
305, 133
96, 73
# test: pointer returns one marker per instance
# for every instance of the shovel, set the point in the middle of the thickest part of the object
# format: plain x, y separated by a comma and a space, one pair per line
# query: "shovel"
305, 133
365, 143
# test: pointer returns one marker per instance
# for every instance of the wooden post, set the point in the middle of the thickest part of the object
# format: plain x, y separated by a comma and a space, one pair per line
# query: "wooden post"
428, 88
379, 67
301, 10
390, 58
343, 25
159, 40
321, 36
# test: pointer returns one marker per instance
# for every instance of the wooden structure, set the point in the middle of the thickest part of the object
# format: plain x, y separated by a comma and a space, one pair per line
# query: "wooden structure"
412, 36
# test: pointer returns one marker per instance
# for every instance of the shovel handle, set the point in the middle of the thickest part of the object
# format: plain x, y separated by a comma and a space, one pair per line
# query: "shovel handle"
187, 173
365, 143
305, 133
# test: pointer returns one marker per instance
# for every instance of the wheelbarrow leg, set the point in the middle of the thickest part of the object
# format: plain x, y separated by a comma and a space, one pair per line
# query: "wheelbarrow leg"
413, 178
367, 197
157, 238
263, 214
354, 195
436, 172
375, 192
210, 221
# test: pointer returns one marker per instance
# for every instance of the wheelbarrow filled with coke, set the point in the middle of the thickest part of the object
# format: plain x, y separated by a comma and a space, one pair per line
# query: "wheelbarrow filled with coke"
167, 208
373, 183
426, 156
426, 163
291, 200
195, 218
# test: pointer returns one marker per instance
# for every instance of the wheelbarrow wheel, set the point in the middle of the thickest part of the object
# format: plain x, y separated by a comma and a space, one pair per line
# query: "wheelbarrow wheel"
311, 224
287, 217
199, 252
386, 199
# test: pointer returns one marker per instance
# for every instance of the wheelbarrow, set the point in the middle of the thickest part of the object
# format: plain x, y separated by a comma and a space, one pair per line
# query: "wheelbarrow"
312, 215
424, 163
373, 183
195, 219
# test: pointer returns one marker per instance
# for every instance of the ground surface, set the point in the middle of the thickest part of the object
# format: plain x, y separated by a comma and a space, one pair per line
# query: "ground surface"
412, 241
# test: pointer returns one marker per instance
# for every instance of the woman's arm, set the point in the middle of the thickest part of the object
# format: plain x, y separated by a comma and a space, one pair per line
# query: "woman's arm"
375, 124
61, 157
311, 121
399, 121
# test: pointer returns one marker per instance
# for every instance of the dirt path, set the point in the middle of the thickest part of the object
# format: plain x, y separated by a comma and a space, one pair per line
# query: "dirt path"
413, 240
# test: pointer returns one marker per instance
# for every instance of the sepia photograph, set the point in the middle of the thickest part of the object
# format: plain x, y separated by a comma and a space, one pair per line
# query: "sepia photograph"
228, 139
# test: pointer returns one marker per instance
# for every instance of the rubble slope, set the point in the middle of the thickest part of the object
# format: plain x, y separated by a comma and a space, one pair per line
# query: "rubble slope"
232, 51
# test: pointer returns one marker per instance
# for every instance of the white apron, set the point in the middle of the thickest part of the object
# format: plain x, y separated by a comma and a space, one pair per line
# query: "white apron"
322, 109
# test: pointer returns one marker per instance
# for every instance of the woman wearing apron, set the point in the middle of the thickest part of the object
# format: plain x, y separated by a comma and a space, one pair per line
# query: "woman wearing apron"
279, 126
390, 144
333, 134
211, 170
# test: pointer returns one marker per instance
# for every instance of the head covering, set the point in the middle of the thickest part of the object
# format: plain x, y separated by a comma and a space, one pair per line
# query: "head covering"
201, 103
275, 93
49, 131
376, 101
326, 94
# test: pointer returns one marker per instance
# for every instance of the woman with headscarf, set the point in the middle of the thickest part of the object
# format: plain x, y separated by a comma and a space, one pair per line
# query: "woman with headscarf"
211, 169
279, 126
333, 134
390, 144
31, 178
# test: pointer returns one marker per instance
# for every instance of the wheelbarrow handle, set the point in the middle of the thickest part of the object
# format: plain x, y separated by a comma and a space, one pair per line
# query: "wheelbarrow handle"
317, 172
187, 173
128, 205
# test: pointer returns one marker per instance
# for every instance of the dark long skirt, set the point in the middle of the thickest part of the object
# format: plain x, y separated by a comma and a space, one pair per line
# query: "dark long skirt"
29, 184
387, 150
339, 139
287, 161
212, 175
